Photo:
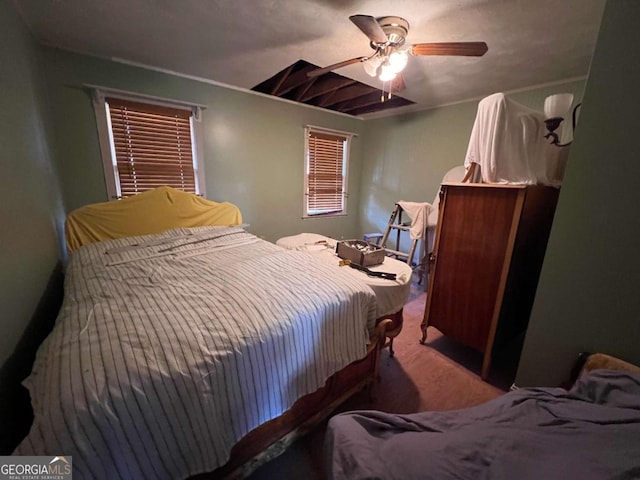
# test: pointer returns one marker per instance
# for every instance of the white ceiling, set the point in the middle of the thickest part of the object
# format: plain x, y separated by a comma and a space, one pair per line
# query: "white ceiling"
243, 42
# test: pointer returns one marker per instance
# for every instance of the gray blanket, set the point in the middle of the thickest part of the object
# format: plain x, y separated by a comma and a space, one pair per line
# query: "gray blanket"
589, 432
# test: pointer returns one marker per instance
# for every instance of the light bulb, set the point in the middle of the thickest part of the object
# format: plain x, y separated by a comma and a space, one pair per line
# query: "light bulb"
398, 60
371, 66
386, 72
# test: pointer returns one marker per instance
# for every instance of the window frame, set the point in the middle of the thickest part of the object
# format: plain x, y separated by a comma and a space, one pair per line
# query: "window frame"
103, 122
346, 149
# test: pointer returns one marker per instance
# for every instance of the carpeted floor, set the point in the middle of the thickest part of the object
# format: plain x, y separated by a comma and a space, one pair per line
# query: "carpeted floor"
441, 375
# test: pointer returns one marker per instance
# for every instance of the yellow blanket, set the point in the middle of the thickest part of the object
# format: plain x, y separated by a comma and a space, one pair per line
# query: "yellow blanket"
154, 211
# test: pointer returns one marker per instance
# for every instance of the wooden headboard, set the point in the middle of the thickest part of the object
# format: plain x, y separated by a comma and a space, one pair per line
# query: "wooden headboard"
153, 211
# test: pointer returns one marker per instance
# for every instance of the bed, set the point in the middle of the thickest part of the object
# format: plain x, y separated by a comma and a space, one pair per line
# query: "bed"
391, 294
188, 347
589, 431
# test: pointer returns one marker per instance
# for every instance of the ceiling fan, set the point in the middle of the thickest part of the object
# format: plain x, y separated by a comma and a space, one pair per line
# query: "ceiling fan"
387, 38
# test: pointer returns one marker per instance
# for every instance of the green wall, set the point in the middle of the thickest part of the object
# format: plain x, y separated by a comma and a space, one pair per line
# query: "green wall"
30, 204
253, 145
587, 298
406, 156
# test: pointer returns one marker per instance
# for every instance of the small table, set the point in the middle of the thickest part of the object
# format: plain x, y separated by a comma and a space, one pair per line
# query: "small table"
391, 295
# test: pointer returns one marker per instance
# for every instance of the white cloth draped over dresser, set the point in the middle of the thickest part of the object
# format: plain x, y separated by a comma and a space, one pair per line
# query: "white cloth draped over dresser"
507, 142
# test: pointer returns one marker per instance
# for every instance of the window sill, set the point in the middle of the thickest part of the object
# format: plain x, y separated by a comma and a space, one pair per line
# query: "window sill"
325, 215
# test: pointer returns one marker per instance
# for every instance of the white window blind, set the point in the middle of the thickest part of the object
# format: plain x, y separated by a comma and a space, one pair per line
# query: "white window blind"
326, 172
152, 146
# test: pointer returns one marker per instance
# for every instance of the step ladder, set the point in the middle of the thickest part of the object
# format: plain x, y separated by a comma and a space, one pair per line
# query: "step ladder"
398, 225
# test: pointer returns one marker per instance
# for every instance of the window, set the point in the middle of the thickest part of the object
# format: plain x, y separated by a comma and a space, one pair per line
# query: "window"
146, 144
326, 169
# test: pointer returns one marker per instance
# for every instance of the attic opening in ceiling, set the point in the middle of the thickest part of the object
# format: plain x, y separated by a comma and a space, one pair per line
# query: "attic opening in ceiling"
330, 90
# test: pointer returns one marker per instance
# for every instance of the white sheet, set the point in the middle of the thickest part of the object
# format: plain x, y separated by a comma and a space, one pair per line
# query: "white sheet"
171, 347
507, 142
391, 295
417, 212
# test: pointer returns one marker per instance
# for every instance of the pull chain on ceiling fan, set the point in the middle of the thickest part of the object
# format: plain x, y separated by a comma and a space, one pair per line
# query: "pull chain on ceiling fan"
387, 37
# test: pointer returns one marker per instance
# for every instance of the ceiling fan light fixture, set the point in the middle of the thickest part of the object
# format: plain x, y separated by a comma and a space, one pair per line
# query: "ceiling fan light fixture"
386, 72
371, 65
398, 60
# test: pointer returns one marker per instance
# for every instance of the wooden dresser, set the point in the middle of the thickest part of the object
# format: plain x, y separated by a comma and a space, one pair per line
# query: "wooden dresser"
483, 272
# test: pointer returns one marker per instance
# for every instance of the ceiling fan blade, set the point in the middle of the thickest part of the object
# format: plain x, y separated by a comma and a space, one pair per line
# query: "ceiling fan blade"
370, 27
321, 71
466, 49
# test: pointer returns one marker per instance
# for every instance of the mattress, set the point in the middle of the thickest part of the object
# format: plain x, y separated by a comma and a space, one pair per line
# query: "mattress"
391, 295
169, 348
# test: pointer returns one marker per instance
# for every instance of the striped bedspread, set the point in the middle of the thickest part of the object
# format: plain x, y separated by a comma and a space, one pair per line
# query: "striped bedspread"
169, 348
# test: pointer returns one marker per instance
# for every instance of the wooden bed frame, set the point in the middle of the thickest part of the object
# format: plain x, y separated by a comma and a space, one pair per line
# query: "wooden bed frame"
135, 216
272, 438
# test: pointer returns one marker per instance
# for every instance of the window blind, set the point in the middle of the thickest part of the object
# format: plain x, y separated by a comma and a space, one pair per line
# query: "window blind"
152, 146
325, 180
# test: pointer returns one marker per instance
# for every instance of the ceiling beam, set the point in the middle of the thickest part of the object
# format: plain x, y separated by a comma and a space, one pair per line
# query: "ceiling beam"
296, 79
281, 77
348, 93
362, 101
394, 102
302, 90
369, 100
327, 84
331, 90
270, 85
